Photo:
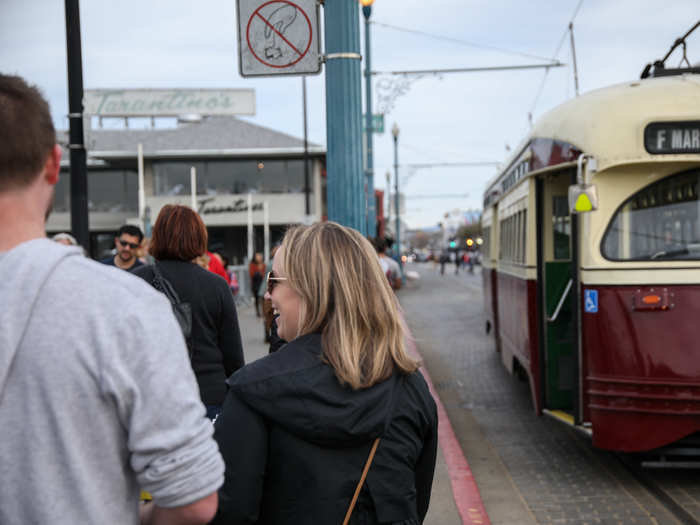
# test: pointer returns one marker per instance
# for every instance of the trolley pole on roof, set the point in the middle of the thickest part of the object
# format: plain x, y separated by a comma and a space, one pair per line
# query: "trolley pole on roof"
345, 190
76, 142
573, 55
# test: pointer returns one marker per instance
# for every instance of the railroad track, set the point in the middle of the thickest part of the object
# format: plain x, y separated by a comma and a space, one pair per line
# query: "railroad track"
681, 463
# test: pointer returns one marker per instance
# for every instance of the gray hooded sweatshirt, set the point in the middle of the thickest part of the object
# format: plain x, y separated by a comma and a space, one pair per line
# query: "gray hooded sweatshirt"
97, 396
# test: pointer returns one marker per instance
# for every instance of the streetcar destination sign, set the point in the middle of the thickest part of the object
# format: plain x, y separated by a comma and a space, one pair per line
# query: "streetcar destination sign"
672, 137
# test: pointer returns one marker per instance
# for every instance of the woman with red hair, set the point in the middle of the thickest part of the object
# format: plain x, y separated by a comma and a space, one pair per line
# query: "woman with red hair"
178, 238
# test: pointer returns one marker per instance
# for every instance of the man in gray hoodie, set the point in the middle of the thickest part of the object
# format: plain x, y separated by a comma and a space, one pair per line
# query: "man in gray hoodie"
97, 396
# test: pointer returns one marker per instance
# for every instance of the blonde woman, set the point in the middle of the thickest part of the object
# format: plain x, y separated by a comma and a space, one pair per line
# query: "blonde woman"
297, 426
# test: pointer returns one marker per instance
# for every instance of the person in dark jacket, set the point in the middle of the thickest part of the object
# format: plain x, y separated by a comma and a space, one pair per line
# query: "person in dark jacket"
297, 425
178, 238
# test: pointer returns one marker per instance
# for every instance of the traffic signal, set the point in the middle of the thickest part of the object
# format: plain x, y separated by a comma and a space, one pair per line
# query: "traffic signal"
453, 244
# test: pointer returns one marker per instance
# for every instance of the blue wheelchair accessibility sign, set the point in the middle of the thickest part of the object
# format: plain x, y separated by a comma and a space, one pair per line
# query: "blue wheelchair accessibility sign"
590, 301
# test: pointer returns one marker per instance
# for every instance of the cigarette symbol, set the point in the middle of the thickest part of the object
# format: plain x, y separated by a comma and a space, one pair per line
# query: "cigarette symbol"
277, 23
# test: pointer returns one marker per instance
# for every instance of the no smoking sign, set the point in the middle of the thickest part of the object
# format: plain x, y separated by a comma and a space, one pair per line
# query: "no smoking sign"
278, 37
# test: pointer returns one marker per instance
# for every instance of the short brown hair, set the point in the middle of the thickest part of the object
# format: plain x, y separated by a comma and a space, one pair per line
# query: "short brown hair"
346, 296
179, 233
27, 134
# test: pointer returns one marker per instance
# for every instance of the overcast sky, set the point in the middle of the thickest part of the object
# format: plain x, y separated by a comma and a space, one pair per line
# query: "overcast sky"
464, 117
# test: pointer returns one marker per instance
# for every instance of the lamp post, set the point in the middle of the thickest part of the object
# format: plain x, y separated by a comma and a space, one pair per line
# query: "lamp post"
369, 133
388, 198
395, 133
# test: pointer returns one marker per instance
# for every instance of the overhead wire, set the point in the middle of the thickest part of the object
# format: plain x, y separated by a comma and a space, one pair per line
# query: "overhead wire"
456, 40
436, 155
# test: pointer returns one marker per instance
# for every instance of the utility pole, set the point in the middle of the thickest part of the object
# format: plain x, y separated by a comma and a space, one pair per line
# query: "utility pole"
345, 190
307, 206
76, 142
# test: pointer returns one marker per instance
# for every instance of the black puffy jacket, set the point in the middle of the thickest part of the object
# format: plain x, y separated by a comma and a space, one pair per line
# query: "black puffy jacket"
295, 442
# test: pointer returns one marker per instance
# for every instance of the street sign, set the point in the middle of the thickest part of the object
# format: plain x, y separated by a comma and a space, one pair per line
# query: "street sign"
377, 122
168, 102
278, 37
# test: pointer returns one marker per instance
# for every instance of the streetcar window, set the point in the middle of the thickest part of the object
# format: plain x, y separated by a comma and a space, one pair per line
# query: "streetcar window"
523, 235
561, 223
512, 245
506, 251
486, 242
660, 222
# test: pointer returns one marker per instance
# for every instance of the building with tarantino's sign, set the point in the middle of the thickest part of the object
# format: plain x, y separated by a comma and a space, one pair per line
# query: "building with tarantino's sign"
236, 162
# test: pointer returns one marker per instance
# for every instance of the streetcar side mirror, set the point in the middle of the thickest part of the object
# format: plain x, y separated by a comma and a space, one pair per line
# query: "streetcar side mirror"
583, 198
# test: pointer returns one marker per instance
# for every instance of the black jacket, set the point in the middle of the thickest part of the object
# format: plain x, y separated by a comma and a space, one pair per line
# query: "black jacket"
217, 351
295, 443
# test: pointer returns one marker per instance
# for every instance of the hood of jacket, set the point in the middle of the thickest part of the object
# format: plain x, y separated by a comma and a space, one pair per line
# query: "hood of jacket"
23, 272
295, 389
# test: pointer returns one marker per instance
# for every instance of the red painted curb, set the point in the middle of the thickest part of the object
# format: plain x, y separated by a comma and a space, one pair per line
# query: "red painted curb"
464, 490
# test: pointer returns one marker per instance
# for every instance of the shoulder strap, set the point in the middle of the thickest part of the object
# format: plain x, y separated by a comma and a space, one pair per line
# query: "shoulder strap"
361, 482
164, 285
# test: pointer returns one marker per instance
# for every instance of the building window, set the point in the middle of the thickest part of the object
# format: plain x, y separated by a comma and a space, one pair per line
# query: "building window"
230, 177
109, 191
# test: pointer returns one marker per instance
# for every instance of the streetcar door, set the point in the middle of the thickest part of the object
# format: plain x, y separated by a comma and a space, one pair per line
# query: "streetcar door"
556, 288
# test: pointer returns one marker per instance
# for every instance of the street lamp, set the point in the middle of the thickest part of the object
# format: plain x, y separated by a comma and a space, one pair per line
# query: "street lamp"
388, 198
369, 133
395, 133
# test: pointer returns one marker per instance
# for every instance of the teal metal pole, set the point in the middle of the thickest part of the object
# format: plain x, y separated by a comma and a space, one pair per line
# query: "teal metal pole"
345, 183
371, 201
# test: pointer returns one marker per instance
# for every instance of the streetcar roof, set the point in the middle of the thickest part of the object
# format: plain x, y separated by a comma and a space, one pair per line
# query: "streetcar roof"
609, 123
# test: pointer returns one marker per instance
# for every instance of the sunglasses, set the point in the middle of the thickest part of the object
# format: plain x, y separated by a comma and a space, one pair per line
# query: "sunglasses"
131, 245
272, 281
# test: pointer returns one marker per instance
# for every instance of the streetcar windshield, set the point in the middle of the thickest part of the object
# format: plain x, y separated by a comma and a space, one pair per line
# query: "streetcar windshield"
660, 222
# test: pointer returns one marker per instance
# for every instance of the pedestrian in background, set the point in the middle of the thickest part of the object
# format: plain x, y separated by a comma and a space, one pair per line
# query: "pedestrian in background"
232, 279
256, 269
298, 425
65, 238
127, 243
179, 237
98, 400
216, 265
444, 257
390, 267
